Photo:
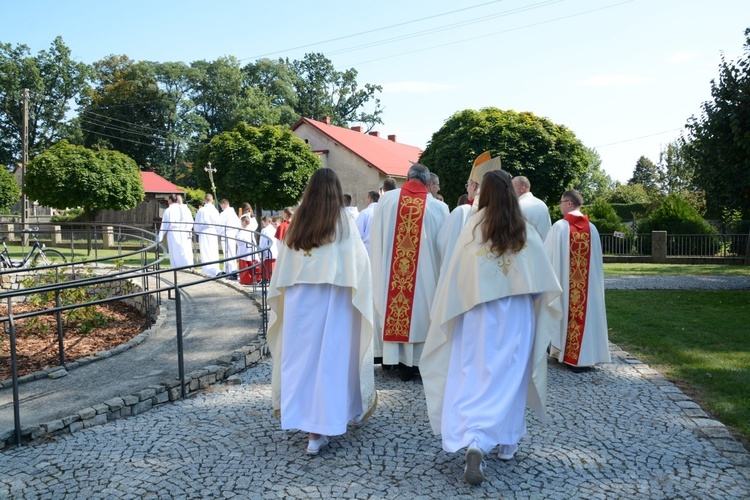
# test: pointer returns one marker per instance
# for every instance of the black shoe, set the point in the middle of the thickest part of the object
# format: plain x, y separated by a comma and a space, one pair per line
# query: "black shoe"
406, 372
579, 369
232, 277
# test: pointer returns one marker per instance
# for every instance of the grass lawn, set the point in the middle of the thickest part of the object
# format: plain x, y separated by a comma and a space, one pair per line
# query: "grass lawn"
698, 339
623, 269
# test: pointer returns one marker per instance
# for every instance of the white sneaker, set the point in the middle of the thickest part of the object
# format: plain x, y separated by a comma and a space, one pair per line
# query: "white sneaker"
507, 451
474, 469
314, 446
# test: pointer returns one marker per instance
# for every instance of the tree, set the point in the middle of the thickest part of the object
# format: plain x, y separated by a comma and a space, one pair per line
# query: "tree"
677, 175
217, 90
271, 92
594, 183
323, 91
54, 79
66, 175
719, 140
629, 193
604, 217
646, 173
9, 190
549, 155
267, 166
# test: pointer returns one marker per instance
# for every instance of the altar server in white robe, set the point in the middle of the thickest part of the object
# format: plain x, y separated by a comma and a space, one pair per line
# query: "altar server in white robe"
573, 245
405, 267
230, 225
187, 223
494, 312
320, 329
534, 210
178, 230
206, 225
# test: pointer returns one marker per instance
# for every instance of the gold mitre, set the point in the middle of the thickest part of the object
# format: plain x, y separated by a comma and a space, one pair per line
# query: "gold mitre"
483, 164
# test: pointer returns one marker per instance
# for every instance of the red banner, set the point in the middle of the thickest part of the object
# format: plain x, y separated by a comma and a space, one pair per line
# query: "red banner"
404, 259
580, 260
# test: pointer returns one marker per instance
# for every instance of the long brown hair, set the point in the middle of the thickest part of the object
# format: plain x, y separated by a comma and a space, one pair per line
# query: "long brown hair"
503, 223
319, 215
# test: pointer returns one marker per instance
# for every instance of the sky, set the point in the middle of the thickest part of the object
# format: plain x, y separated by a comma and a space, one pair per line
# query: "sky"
624, 75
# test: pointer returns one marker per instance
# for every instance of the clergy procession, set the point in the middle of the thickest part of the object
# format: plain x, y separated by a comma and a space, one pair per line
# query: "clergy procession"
472, 301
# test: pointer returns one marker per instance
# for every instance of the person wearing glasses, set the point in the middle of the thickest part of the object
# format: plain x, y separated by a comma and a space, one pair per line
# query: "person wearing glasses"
575, 251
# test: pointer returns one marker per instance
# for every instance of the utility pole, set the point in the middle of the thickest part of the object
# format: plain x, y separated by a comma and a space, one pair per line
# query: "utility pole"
24, 161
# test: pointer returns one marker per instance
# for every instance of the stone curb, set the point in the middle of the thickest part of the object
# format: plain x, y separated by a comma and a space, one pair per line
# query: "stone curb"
710, 429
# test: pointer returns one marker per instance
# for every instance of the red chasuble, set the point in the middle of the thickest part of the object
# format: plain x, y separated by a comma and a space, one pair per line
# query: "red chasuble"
580, 259
412, 203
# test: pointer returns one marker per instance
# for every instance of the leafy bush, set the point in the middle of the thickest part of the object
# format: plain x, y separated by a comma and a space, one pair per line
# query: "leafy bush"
603, 216
70, 215
677, 217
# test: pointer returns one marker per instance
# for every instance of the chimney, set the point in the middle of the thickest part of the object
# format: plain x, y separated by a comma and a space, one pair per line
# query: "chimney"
326, 120
357, 128
375, 133
392, 137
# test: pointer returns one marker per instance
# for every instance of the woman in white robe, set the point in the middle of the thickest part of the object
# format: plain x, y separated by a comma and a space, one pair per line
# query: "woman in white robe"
320, 331
485, 354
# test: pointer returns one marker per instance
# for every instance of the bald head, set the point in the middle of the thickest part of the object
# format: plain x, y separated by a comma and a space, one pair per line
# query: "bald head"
521, 185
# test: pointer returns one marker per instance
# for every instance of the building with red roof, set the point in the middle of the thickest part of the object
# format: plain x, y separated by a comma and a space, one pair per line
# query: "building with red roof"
361, 160
151, 209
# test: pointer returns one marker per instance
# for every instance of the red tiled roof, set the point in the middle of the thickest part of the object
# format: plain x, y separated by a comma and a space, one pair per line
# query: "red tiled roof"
155, 183
390, 157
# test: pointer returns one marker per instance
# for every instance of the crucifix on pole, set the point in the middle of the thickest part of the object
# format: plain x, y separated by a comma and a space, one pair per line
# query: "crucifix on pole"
211, 177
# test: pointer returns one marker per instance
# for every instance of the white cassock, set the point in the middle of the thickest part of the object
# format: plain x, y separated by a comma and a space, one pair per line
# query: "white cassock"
178, 231
485, 355
594, 347
364, 223
320, 334
270, 232
428, 270
230, 225
352, 211
536, 212
206, 222
187, 227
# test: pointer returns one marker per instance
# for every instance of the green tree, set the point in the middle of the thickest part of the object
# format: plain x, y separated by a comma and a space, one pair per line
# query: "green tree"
323, 91
719, 140
594, 183
678, 175
66, 175
54, 80
646, 173
604, 217
549, 155
629, 193
217, 91
271, 93
9, 190
267, 165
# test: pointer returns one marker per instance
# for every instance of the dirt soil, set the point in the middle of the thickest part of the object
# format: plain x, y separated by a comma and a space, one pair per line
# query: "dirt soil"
36, 342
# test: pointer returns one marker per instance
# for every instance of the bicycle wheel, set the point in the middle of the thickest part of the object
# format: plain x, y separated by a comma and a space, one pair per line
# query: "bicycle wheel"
48, 257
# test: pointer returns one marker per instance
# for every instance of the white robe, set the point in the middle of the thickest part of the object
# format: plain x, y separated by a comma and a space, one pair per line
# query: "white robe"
206, 222
475, 277
595, 344
364, 223
270, 232
428, 269
536, 212
230, 225
176, 226
330, 297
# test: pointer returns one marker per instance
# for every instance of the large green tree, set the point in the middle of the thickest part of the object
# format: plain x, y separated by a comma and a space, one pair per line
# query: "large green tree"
719, 141
217, 91
67, 176
548, 154
54, 80
9, 190
595, 183
646, 173
267, 166
323, 91
677, 175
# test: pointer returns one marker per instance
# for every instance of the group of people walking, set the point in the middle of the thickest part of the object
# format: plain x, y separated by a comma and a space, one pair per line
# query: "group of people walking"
473, 300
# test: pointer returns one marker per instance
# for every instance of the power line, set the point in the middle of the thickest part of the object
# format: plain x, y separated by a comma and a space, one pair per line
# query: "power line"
541, 23
370, 31
638, 138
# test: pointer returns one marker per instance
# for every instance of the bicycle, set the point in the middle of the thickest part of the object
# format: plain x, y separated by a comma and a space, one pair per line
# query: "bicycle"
38, 255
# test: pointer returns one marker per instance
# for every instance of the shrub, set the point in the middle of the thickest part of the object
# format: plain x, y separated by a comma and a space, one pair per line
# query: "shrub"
603, 216
677, 217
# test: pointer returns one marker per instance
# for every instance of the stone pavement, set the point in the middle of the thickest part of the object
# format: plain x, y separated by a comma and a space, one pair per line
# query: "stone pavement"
618, 431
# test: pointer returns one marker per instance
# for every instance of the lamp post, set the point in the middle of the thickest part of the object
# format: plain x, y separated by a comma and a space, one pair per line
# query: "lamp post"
211, 178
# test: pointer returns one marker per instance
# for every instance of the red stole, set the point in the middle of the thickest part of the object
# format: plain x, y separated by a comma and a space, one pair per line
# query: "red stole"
412, 204
580, 260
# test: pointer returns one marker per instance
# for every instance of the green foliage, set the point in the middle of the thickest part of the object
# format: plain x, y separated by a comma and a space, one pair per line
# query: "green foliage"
629, 193
54, 79
70, 215
69, 176
193, 197
324, 91
549, 155
631, 211
718, 144
266, 165
676, 216
677, 175
9, 190
594, 183
646, 173
604, 217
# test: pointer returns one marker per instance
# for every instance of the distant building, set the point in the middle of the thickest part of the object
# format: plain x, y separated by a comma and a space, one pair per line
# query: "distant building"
360, 160
151, 209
